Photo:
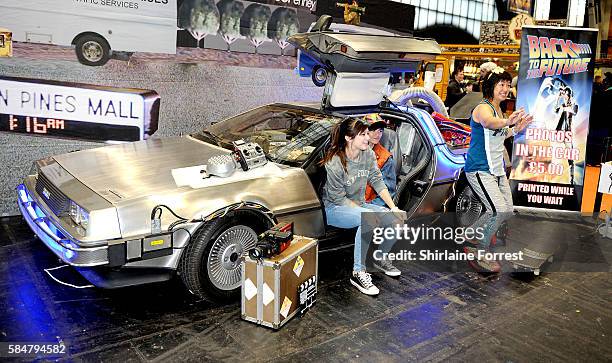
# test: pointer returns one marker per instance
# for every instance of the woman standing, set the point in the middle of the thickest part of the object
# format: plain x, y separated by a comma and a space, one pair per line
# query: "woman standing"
484, 167
350, 164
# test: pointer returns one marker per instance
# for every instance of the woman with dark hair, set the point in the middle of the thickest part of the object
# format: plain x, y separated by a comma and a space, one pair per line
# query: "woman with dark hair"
484, 167
351, 164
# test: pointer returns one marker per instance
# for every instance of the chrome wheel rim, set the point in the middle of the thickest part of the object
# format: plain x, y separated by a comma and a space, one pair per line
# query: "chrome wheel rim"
468, 208
92, 51
224, 259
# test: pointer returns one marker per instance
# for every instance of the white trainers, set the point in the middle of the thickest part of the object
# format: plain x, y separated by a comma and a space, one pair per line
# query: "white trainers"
386, 267
363, 281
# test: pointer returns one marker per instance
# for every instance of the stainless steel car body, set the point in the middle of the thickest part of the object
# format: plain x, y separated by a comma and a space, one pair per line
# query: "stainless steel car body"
135, 177
120, 185
131, 179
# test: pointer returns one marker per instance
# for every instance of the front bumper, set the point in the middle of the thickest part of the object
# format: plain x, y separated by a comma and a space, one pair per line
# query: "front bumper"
59, 241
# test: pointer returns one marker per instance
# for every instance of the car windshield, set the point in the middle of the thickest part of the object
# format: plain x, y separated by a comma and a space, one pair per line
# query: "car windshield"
287, 135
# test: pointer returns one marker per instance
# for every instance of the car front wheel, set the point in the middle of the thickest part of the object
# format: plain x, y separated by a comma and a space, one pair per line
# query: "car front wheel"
211, 264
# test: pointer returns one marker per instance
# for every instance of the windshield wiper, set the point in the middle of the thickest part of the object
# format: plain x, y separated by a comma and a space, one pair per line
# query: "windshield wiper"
216, 139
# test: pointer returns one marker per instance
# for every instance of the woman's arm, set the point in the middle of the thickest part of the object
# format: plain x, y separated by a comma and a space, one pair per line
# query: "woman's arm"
386, 197
483, 114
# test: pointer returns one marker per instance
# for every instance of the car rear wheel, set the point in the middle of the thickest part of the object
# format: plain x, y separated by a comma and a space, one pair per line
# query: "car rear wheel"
92, 50
211, 264
468, 207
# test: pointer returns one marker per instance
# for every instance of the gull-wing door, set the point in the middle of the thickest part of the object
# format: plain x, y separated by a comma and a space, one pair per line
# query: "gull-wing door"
355, 67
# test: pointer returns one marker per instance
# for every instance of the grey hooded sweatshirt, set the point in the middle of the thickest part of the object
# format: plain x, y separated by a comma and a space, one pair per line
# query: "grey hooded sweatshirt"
342, 186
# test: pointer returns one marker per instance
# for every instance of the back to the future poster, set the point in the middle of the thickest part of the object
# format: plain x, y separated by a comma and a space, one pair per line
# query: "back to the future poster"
555, 86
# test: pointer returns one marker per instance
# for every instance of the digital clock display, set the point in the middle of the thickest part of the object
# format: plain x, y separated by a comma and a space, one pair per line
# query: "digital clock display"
77, 111
51, 127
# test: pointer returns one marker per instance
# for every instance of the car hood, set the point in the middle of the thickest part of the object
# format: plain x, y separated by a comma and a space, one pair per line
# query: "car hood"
132, 170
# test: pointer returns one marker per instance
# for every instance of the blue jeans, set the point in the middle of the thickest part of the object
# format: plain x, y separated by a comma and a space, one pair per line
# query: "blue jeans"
343, 216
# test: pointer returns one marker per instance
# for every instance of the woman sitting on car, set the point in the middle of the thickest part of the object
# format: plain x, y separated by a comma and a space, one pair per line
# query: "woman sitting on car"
350, 164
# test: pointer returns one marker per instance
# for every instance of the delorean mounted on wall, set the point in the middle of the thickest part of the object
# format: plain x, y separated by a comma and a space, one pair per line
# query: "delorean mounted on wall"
145, 211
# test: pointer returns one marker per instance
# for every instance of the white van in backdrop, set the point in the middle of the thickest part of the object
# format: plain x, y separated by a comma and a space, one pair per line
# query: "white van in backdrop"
95, 27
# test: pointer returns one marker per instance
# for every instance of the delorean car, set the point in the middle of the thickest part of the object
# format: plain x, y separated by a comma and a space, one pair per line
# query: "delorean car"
146, 211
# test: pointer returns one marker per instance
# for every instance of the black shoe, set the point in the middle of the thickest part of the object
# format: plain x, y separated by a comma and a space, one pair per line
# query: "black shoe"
363, 281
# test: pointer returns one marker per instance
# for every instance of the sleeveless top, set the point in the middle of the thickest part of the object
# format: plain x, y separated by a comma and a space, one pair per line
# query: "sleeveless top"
486, 152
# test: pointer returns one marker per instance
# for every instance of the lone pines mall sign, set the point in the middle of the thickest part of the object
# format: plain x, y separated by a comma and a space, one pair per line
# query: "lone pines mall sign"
77, 111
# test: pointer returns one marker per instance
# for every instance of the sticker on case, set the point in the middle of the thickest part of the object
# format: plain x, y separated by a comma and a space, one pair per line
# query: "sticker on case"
298, 266
250, 289
284, 311
268, 294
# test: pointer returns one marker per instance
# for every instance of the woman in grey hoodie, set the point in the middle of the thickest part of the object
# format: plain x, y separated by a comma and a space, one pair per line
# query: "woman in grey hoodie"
350, 164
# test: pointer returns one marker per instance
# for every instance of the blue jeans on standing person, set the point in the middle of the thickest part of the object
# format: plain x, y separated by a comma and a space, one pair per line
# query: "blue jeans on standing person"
343, 216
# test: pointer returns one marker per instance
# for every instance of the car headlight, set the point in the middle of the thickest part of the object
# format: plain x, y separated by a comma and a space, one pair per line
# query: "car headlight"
79, 215
74, 212
83, 218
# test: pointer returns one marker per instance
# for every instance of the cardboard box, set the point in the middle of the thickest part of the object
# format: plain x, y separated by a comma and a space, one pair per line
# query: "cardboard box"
270, 286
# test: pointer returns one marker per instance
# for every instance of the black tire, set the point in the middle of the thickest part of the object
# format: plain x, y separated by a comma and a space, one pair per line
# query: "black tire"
92, 50
319, 75
209, 267
467, 207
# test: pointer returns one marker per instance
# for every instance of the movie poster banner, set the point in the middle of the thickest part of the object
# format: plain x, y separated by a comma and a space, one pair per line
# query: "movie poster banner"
555, 86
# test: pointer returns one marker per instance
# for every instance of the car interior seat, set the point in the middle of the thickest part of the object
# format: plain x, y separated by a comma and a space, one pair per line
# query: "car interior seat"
390, 141
411, 147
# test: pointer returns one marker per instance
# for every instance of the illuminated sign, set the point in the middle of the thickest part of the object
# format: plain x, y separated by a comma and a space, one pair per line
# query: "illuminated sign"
77, 111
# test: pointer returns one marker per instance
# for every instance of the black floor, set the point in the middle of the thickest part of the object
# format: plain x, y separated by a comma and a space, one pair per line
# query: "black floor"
422, 316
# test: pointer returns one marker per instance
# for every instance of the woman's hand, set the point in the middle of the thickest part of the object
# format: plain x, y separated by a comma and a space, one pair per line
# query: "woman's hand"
522, 123
515, 117
399, 214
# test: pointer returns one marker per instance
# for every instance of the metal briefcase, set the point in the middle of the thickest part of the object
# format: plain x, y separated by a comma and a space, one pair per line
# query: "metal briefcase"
270, 285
